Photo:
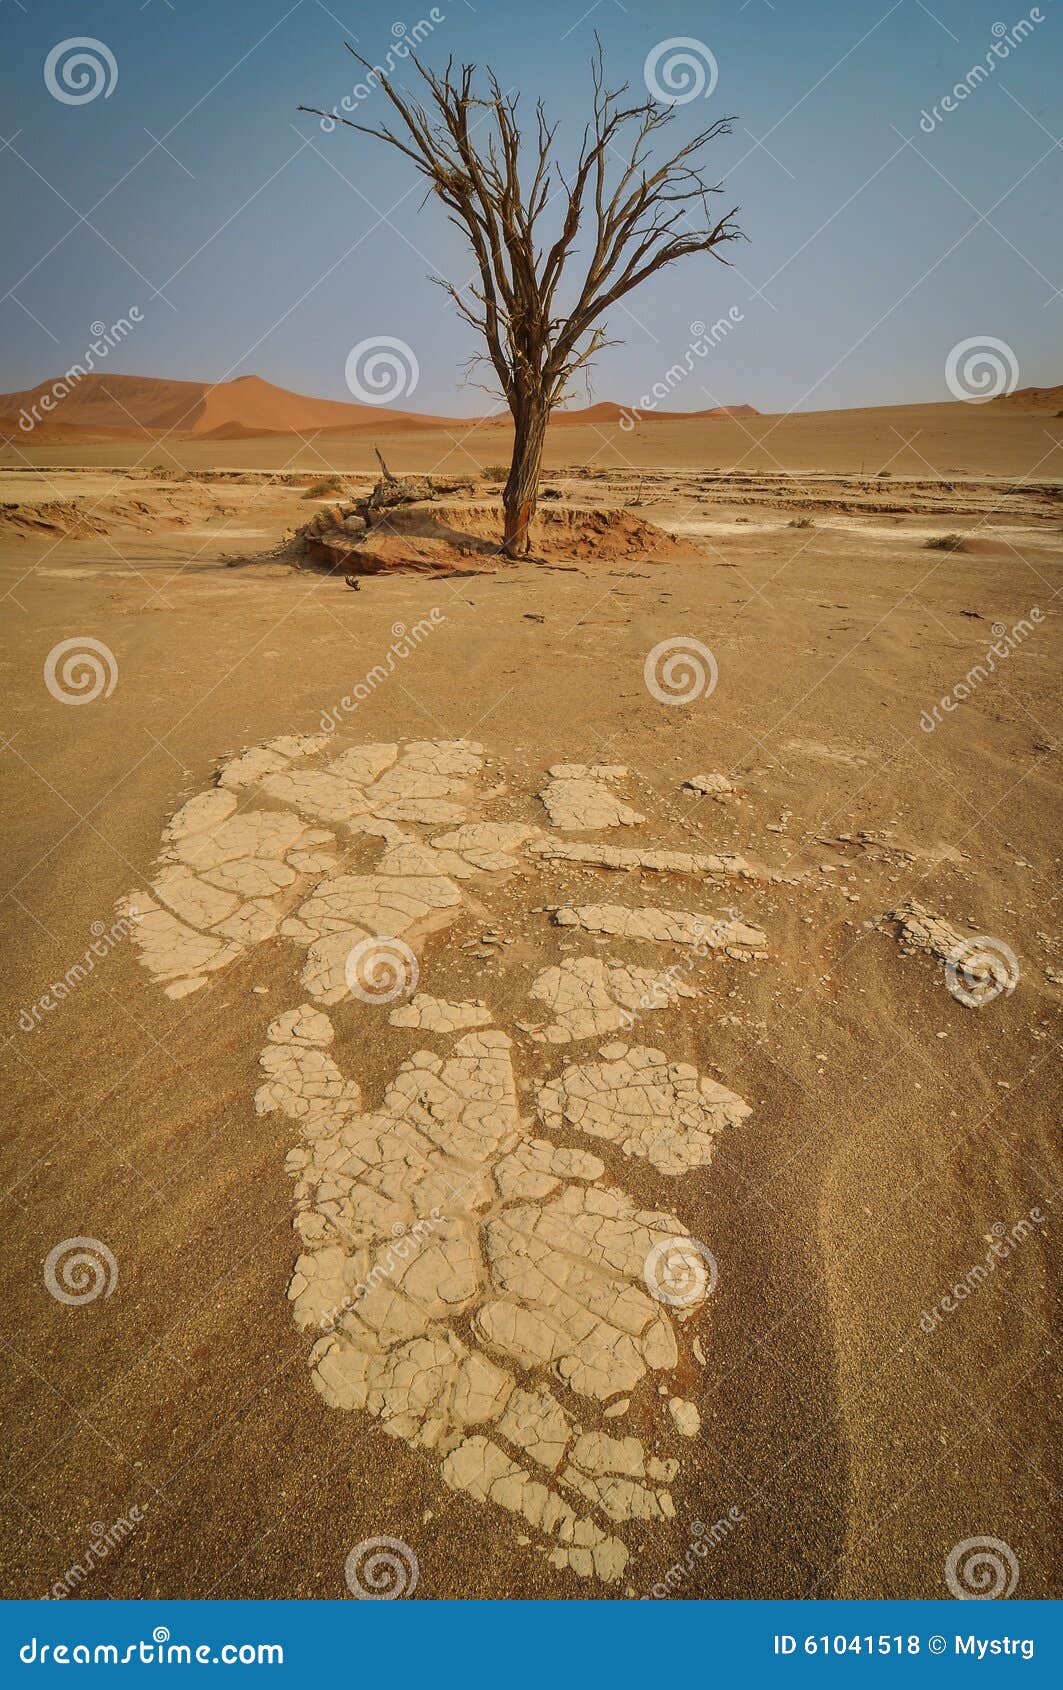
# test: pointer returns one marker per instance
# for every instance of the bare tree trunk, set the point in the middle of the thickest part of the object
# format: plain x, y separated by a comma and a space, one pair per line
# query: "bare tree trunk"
520, 494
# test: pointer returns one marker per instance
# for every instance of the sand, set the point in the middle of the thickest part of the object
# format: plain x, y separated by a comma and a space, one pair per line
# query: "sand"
109, 420
124, 407
895, 1133
121, 408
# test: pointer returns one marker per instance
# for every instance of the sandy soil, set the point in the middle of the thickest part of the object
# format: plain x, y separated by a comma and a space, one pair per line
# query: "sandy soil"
893, 1128
920, 440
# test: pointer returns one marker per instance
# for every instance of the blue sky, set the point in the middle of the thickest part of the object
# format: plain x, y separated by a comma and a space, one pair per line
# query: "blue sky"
874, 246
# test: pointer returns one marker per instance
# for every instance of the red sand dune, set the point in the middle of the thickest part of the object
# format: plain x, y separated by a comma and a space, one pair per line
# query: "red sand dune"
608, 412
124, 407
1048, 399
257, 407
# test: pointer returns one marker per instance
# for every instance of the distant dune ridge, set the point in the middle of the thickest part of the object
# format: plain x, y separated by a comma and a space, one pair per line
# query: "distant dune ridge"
1048, 399
122, 407
116, 407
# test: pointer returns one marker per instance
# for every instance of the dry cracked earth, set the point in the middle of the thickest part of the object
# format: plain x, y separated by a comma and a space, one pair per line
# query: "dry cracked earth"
471, 1275
673, 1006
472, 1268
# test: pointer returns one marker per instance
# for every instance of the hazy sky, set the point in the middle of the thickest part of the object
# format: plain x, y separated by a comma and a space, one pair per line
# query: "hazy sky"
874, 245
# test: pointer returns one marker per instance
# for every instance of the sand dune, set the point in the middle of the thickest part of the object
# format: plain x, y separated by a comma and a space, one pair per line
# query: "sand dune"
1048, 399
126, 420
108, 406
609, 412
124, 406
257, 407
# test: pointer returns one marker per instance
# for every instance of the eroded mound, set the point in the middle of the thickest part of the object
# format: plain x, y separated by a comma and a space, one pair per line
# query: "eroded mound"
132, 503
435, 535
49, 517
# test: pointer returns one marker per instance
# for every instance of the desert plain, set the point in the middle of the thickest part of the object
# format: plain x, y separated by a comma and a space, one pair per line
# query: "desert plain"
878, 775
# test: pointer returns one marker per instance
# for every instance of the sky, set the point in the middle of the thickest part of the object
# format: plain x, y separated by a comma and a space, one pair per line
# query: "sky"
880, 235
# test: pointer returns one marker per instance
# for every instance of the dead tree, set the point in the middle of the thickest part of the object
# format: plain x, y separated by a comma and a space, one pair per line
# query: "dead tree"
643, 212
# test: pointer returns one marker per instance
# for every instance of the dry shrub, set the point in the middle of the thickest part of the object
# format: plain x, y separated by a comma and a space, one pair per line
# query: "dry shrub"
324, 488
